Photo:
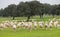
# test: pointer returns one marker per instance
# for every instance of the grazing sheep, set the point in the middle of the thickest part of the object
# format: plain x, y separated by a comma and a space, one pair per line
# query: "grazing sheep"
2, 26
23, 23
55, 24
30, 25
26, 25
50, 25
7, 24
35, 25
46, 25
41, 24
14, 26
19, 25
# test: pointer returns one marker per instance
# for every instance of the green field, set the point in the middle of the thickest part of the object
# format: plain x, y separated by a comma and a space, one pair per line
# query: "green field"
26, 33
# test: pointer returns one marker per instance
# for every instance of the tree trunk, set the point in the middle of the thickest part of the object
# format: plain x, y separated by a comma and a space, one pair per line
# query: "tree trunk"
13, 17
28, 18
41, 16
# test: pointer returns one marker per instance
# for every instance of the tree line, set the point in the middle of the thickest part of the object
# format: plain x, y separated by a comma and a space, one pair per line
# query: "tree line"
29, 9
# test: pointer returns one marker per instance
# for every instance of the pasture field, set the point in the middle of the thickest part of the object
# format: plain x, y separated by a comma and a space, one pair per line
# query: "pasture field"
26, 33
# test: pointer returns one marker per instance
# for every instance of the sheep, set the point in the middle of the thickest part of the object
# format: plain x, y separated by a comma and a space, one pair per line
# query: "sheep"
41, 24
19, 25
50, 25
14, 26
15, 22
11, 23
35, 25
26, 25
46, 25
30, 25
7, 24
23, 23
55, 24
2, 26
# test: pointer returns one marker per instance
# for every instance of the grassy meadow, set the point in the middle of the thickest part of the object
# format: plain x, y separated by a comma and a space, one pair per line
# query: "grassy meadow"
26, 33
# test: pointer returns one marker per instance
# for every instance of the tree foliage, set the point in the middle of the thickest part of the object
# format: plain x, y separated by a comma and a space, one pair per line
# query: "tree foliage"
29, 9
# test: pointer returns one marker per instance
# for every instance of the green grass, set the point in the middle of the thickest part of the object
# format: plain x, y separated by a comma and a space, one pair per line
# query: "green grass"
33, 33
26, 33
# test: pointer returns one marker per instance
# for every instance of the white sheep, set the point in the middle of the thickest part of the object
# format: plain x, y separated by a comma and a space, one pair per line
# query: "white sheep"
56, 23
19, 25
2, 26
41, 24
26, 25
35, 25
14, 26
46, 25
7, 24
30, 25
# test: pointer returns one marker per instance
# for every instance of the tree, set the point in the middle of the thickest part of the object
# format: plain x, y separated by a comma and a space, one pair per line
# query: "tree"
29, 9
58, 10
53, 11
1, 12
20, 9
41, 11
10, 10
47, 8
